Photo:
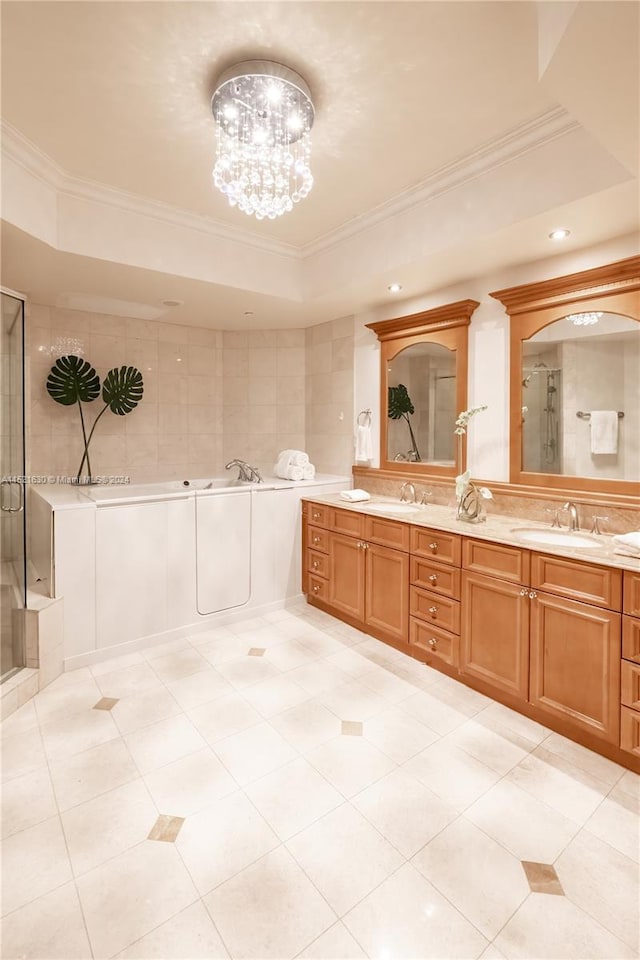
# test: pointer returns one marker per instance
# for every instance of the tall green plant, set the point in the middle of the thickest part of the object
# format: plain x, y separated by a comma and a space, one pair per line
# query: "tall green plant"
401, 407
73, 380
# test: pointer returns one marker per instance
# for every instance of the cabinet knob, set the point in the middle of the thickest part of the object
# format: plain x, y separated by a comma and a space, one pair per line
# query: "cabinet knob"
316, 588
433, 578
533, 595
433, 611
433, 546
316, 539
433, 643
316, 564
316, 516
524, 592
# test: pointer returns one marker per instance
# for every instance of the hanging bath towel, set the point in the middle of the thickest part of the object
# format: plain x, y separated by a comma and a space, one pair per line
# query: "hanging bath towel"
604, 431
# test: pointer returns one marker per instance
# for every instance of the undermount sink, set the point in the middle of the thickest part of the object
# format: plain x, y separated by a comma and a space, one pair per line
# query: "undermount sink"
556, 538
398, 509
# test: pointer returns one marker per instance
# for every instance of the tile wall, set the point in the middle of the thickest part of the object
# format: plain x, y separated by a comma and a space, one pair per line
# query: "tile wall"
329, 395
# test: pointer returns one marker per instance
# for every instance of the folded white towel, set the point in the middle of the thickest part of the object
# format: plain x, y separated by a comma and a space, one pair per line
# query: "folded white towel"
626, 551
288, 473
308, 472
363, 443
355, 496
297, 458
629, 540
604, 431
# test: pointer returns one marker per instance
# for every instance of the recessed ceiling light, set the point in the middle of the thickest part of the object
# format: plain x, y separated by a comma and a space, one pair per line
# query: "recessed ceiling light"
394, 287
172, 303
561, 233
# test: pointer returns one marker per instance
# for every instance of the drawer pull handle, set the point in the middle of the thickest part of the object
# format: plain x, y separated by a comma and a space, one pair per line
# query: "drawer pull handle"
433, 611
533, 595
316, 539
317, 516
433, 643
316, 565
433, 546
316, 588
433, 578
524, 593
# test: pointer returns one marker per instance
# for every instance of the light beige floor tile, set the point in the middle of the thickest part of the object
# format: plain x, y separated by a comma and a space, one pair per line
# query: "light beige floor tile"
616, 822
189, 784
350, 662
128, 682
406, 917
335, 944
92, 772
129, 896
307, 725
249, 625
500, 751
107, 825
254, 752
528, 828
404, 811
599, 767
398, 735
267, 637
115, 663
568, 789
289, 654
183, 663
165, 649
344, 856
223, 717
143, 709
78, 732
206, 636
163, 742
629, 784
246, 671
199, 688
492, 953
354, 701
604, 883
318, 677
34, 862
478, 876
275, 695
433, 713
190, 934
319, 642
26, 800
223, 839
293, 797
287, 912
20, 721
49, 928
22, 754
276, 616
459, 697
553, 928
62, 699
221, 649
497, 716
455, 776
389, 686
350, 763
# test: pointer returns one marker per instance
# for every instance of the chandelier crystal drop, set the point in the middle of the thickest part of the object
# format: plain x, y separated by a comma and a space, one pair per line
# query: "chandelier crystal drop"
263, 114
584, 319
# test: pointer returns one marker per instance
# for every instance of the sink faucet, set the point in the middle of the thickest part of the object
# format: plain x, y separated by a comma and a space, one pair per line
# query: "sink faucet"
404, 492
574, 522
245, 471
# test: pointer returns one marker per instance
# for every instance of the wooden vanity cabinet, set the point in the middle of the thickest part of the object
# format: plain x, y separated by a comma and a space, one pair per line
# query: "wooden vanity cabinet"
630, 665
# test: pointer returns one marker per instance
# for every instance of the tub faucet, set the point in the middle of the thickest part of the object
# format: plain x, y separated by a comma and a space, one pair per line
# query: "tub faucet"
404, 492
245, 471
574, 522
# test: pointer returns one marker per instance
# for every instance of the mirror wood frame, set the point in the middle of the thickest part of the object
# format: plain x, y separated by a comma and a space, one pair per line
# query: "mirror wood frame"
446, 325
613, 288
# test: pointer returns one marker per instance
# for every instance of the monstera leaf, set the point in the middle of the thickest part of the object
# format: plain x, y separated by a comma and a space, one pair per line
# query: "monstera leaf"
122, 390
71, 380
399, 402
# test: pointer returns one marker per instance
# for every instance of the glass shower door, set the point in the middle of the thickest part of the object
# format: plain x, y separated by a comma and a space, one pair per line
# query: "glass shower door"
12, 486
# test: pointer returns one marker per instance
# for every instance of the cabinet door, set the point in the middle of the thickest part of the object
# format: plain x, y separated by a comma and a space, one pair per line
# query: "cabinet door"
494, 642
575, 664
387, 591
345, 590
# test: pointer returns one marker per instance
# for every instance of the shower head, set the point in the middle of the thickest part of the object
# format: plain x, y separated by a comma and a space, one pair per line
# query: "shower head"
525, 382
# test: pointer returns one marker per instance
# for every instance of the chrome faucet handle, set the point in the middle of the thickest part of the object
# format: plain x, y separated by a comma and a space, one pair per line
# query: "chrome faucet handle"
424, 497
556, 515
595, 527
574, 519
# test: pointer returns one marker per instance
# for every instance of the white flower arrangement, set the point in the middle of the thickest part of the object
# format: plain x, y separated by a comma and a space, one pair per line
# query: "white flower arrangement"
463, 418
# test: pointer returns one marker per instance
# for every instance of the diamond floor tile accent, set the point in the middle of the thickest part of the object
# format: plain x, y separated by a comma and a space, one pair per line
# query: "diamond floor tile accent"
351, 728
257, 652
542, 878
166, 828
106, 703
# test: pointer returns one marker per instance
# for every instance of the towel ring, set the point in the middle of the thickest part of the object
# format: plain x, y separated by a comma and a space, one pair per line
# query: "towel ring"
367, 418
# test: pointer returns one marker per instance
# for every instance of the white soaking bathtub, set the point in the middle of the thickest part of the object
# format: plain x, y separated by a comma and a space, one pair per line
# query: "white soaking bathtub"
144, 563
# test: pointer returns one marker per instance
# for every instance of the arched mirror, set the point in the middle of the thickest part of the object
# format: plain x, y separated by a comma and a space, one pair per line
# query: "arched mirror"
423, 387
575, 380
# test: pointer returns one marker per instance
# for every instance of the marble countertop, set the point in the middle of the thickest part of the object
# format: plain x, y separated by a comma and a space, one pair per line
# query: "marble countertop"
497, 528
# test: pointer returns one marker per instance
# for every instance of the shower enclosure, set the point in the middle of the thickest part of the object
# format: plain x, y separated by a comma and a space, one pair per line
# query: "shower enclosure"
13, 577
541, 418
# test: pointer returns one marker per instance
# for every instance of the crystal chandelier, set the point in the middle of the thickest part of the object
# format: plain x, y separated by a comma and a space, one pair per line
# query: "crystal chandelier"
584, 319
263, 114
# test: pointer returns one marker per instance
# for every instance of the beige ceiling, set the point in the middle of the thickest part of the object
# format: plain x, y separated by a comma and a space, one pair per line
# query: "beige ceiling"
118, 92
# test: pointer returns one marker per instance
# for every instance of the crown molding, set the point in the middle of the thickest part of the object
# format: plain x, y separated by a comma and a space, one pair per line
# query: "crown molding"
518, 142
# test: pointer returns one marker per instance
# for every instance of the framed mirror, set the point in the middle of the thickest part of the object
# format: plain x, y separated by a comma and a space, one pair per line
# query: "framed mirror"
575, 380
423, 387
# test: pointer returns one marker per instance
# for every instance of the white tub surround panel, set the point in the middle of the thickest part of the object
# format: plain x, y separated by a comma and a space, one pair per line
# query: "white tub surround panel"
223, 546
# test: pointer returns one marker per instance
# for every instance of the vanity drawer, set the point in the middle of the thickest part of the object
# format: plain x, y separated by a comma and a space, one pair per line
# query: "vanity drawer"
631, 639
630, 685
439, 611
600, 586
632, 593
318, 514
444, 547
344, 521
318, 563
433, 641
496, 560
437, 577
630, 731
388, 533
317, 587
318, 539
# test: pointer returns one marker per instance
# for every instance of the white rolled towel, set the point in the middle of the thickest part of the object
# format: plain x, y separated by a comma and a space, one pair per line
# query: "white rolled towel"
288, 472
627, 544
296, 457
308, 472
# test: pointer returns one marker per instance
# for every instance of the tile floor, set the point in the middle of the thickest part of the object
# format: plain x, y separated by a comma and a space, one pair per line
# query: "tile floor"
289, 787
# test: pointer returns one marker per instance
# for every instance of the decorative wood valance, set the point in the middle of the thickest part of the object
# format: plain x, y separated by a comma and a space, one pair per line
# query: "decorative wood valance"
439, 318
